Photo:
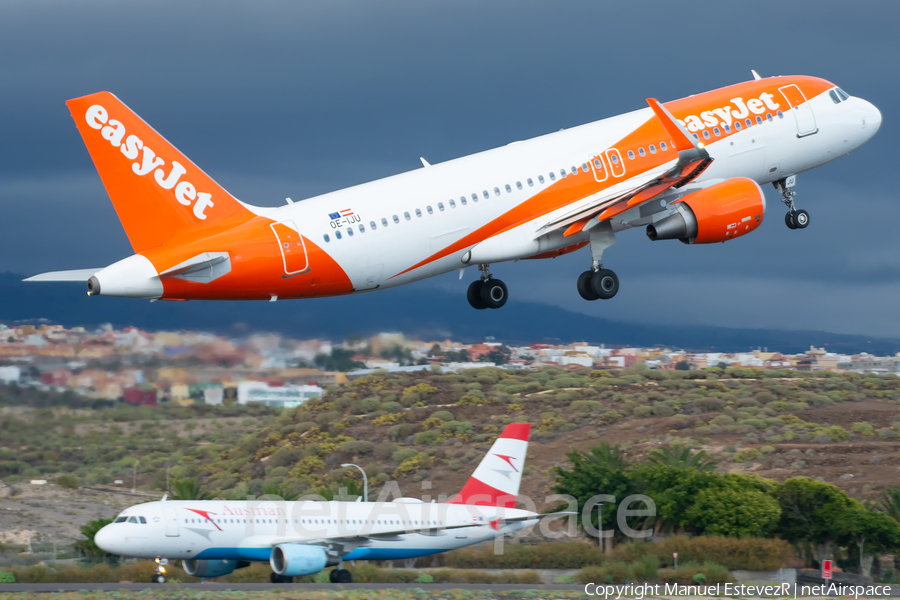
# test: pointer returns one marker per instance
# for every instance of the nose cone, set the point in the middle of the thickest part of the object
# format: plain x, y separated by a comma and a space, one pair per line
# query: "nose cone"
105, 540
873, 117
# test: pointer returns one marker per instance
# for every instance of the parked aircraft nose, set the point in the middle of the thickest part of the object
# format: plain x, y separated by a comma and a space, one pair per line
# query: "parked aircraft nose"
105, 539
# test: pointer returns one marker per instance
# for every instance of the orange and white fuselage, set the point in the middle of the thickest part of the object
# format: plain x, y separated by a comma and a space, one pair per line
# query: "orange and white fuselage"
536, 198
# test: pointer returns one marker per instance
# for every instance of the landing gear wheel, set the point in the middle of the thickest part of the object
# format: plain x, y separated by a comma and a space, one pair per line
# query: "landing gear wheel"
332, 575
158, 578
341, 576
493, 293
605, 284
801, 219
584, 286
276, 578
474, 295
789, 220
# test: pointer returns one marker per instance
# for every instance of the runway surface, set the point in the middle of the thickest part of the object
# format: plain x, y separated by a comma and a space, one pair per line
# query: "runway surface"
255, 587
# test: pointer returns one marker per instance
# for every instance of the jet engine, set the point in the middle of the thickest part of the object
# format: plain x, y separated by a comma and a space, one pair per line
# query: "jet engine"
296, 560
715, 214
211, 568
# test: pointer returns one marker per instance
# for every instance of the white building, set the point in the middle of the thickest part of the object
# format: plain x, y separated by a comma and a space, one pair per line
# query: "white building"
286, 396
10, 374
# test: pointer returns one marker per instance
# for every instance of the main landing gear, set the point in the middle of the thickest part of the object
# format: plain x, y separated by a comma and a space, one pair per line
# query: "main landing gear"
485, 293
340, 576
599, 283
794, 219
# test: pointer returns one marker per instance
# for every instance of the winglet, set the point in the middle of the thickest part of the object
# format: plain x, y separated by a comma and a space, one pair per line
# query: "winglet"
680, 136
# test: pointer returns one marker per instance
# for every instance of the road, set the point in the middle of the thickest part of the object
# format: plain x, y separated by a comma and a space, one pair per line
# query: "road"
35, 588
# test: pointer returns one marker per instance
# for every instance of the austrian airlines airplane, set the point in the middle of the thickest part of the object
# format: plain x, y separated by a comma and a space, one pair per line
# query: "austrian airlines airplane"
687, 170
215, 537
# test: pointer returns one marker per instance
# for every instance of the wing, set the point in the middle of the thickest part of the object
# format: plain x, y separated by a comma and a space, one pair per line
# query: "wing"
364, 537
77, 275
693, 159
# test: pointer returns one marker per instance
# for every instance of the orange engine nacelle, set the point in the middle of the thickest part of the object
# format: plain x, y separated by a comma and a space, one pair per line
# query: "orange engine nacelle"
715, 214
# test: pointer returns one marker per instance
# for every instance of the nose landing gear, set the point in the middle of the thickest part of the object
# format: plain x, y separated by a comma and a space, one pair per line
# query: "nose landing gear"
487, 292
794, 219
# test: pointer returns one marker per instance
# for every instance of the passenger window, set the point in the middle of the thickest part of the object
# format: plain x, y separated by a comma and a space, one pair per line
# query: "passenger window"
462, 200
727, 128
372, 225
483, 193
662, 146
406, 216
529, 182
396, 219
475, 197
630, 155
562, 173
418, 213
518, 185
350, 231
749, 123
737, 125
652, 149
574, 170
327, 239
362, 228
540, 179
717, 131
337, 234
383, 222
614, 158
769, 117
452, 204
429, 210
552, 176
706, 134
584, 167
641, 151
508, 188
780, 115
496, 191
758, 120
440, 206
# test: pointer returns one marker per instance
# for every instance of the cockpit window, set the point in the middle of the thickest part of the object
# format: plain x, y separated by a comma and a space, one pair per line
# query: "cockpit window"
842, 94
120, 519
132, 520
143, 520
834, 97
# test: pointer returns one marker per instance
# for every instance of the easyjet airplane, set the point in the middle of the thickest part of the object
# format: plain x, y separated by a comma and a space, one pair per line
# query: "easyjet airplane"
215, 537
687, 170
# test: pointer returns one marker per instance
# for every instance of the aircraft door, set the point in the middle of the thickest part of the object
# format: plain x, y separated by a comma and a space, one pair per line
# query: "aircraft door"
803, 113
170, 514
293, 249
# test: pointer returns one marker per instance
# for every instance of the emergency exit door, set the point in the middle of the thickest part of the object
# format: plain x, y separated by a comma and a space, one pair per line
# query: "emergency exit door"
293, 248
170, 514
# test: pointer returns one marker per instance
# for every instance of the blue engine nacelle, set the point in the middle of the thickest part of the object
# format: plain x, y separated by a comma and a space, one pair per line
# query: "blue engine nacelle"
296, 560
209, 568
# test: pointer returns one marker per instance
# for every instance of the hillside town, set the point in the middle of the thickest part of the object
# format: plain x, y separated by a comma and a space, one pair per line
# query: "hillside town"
146, 368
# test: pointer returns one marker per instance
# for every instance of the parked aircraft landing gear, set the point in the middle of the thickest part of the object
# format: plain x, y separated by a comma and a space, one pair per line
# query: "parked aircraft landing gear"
276, 578
486, 292
340, 576
158, 578
794, 219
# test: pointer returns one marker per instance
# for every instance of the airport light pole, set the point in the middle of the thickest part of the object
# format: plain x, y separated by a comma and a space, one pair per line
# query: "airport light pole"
365, 480
134, 475
600, 523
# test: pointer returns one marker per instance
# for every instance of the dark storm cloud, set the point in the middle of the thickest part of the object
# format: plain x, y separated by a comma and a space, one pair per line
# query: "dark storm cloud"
296, 99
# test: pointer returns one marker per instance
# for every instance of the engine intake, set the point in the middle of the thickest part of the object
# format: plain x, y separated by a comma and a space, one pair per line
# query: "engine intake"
211, 568
296, 560
715, 214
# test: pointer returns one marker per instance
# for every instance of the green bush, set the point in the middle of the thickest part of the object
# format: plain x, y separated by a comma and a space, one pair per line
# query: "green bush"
424, 578
67, 481
697, 574
547, 555
7, 577
752, 554
748, 455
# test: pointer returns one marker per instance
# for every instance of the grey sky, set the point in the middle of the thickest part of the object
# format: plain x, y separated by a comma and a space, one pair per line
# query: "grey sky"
294, 99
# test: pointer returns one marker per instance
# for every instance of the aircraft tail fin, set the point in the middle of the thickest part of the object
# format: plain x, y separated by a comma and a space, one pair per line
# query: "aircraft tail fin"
496, 480
157, 192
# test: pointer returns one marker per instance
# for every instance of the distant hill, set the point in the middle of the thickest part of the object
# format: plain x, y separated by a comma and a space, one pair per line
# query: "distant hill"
419, 312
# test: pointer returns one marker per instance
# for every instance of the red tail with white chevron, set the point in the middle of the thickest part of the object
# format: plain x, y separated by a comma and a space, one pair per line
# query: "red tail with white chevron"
496, 480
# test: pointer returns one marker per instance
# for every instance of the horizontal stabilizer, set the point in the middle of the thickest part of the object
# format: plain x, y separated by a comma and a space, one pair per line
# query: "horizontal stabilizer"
81, 275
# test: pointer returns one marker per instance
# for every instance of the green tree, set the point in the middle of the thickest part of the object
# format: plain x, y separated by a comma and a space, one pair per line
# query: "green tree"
86, 548
682, 365
680, 456
602, 469
867, 534
890, 505
189, 489
810, 512
734, 511
282, 491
